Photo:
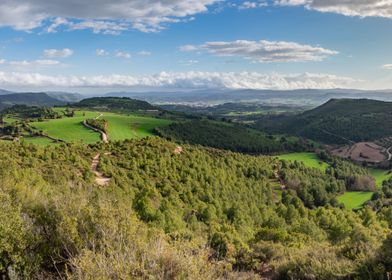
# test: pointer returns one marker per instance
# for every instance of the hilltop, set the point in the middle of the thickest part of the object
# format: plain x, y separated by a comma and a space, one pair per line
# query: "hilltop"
339, 121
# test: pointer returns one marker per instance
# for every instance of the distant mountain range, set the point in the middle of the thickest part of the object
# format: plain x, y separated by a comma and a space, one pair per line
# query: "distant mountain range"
306, 97
202, 98
8, 98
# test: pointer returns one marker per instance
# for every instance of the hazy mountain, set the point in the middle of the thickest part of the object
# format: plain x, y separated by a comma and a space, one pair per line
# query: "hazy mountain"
305, 97
28, 98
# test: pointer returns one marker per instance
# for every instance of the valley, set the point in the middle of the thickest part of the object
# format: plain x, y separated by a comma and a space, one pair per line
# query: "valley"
234, 188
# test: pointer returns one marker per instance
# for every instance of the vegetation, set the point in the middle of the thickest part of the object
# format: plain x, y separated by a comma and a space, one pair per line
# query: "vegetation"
100, 124
338, 121
309, 159
229, 137
121, 104
200, 214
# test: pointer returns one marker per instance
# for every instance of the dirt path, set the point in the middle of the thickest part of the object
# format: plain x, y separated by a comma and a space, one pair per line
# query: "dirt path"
104, 135
280, 180
99, 178
389, 152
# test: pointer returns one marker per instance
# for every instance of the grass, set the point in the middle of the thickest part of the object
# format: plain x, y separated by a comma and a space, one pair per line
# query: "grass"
40, 141
309, 159
354, 200
351, 200
123, 127
380, 175
120, 127
70, 129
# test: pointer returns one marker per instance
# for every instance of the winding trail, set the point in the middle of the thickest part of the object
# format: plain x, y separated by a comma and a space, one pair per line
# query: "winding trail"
104, 136
389, 152
99, 178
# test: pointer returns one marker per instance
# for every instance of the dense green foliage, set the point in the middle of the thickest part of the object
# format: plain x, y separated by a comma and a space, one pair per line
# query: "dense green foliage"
31, 112
229, 137
337, 121
100, 124
193, 213
114, 104
29, 99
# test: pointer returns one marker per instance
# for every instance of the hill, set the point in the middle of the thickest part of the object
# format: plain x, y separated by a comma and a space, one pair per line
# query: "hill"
339, 121
197, 214
29, 99
231, 137
115, 104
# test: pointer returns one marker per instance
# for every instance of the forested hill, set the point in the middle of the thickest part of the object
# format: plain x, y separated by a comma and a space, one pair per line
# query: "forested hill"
115, 103
169, 213
29, 99
338, 121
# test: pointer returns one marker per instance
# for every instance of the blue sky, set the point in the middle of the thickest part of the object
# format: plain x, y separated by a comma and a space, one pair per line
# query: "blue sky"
192, 44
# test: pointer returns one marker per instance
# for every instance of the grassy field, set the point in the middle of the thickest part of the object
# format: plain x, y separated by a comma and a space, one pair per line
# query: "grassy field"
380, 175
354, 200
129, 127
309, 159
120, 127
41, 141
70, 129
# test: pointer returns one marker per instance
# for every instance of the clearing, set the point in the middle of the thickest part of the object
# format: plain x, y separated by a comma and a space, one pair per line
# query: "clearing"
363, 152
120, 127
309, 159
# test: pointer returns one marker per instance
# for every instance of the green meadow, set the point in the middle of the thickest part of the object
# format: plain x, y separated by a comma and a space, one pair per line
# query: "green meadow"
120, 127
351, 200
309, 159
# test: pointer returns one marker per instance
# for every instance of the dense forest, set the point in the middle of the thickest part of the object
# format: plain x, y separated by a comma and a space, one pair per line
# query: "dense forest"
231, 137
122, 104
172, 213
338, 121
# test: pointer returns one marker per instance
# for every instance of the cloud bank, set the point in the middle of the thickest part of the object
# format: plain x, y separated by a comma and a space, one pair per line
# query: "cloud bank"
264, 51
181, 80
102, 16
360, 8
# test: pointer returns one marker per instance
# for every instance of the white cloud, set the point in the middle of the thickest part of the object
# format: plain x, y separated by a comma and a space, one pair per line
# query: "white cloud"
264, 51
101, 52
387, 67
51, 53
188, 48
144, 53
33, 63
188, 62
360, 8
123, 54
252, 5
2, 61
184, 80
144, 15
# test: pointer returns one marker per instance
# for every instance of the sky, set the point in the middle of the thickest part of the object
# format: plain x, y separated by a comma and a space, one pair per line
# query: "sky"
133, 45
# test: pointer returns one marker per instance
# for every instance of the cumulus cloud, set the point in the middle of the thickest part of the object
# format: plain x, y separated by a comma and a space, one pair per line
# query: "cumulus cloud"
264, 51
360, 8
185, 80
54, 53
122, 54
102, 16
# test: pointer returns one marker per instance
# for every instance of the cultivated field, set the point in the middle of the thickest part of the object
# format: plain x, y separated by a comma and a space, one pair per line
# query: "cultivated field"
364, 151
